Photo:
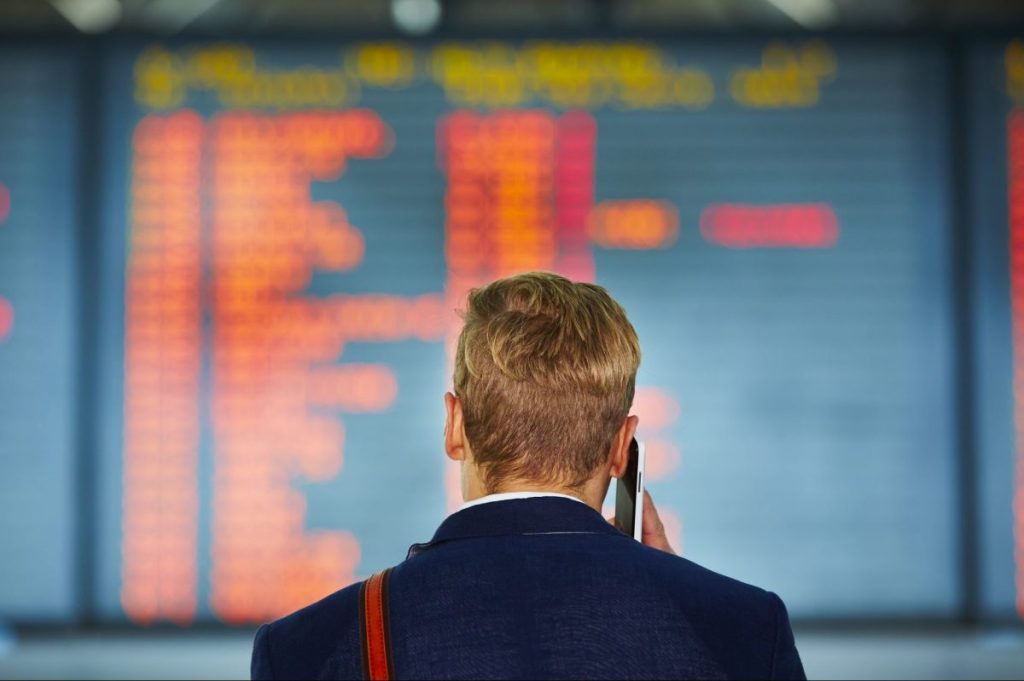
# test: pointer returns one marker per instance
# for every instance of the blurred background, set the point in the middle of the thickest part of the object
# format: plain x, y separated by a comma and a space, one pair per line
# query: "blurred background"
234, 235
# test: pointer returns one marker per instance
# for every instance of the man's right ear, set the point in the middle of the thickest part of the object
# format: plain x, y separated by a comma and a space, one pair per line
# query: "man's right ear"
454, 431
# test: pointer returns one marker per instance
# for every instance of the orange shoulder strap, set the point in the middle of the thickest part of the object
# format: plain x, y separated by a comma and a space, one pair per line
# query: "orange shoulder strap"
374, 628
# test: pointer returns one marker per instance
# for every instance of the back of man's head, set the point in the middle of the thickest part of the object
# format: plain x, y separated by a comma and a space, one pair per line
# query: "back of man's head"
545, 369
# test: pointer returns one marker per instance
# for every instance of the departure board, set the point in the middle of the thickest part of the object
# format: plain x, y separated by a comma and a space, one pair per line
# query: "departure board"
290, 228
996, 138
38, 150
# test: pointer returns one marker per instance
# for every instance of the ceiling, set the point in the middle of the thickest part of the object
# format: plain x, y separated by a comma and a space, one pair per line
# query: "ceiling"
379, 16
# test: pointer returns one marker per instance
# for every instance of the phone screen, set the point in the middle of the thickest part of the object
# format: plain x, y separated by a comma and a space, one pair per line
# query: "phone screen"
628, 491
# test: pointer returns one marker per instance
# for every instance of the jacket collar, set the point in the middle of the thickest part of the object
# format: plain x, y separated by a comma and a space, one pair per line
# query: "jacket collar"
539, 515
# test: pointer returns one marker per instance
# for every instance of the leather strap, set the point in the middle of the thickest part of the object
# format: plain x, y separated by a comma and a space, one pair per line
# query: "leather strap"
375, 629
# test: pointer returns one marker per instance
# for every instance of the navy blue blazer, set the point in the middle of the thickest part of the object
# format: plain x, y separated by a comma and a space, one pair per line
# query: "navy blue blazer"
542, 588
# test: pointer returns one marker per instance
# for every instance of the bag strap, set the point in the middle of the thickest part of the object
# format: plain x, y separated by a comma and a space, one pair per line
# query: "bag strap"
375, 629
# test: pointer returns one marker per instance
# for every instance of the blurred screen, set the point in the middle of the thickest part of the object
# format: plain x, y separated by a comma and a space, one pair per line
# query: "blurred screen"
289, 228
38, 150
996, 136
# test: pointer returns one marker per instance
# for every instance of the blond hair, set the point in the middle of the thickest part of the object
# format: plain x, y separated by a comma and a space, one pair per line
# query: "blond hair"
545, 369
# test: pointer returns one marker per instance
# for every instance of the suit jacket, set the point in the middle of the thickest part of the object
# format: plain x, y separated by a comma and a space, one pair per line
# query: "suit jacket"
542, 588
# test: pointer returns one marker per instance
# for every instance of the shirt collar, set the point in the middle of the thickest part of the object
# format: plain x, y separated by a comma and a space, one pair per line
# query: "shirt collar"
512, 496
536, 515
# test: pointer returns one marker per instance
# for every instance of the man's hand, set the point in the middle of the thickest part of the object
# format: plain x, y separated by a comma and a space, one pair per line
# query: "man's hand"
653, 530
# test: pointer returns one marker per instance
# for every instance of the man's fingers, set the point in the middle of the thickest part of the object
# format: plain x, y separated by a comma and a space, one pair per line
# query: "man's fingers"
652, 521
654, 529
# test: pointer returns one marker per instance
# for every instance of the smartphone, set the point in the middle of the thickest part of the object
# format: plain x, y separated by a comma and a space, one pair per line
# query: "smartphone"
629, 494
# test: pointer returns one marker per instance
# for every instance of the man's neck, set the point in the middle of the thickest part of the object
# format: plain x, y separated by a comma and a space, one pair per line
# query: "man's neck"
589, 494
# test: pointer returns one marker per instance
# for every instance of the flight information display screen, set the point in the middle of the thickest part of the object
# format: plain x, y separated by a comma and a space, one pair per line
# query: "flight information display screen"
290, 227
38, 338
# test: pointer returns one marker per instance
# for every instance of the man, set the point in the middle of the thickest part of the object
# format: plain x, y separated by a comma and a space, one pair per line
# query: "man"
527, 580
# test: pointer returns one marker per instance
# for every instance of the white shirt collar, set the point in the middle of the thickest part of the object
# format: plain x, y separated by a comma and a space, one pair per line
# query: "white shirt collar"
510, 496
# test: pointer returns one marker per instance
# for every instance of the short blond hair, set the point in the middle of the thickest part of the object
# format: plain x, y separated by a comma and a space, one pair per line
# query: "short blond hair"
545, 369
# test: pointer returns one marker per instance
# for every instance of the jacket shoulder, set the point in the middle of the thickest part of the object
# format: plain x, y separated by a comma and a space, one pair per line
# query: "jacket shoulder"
742, 623
313, 642
685, 573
